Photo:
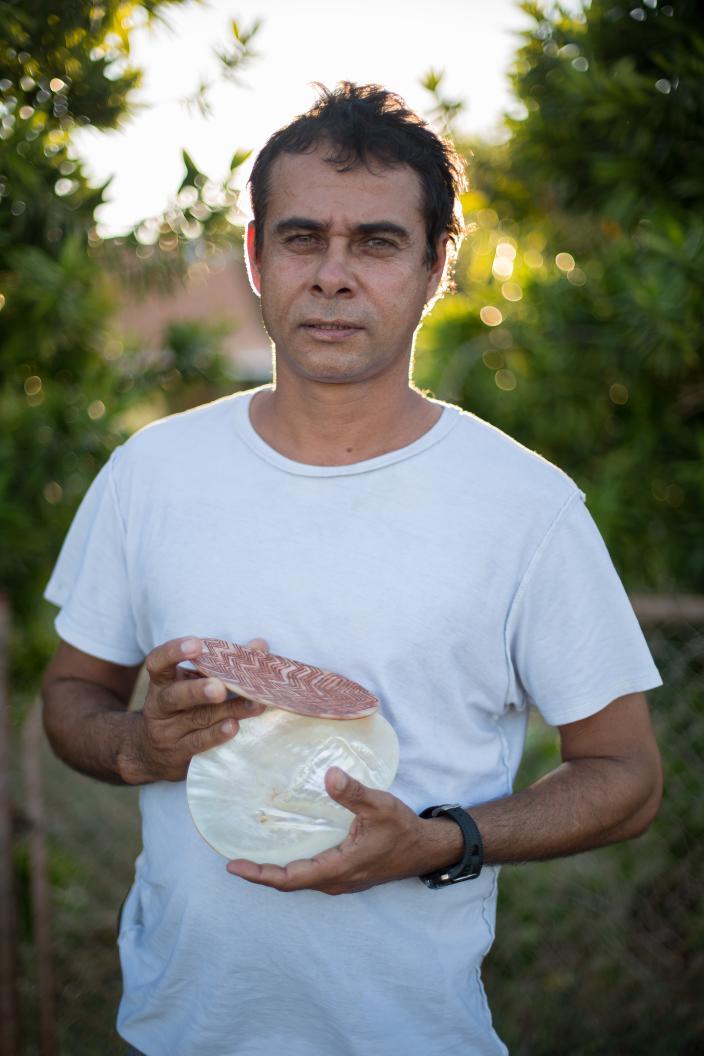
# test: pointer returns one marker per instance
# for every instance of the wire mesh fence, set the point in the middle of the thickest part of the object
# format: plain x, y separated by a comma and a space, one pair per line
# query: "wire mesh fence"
595, 955
604, 953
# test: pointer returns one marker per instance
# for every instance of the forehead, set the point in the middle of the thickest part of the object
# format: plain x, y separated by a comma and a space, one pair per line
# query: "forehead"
307, 185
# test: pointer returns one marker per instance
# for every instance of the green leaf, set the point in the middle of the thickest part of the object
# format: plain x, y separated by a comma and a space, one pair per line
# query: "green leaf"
192, 171
239, 158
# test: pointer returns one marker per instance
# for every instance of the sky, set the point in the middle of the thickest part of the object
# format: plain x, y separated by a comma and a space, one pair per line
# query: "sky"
392, 42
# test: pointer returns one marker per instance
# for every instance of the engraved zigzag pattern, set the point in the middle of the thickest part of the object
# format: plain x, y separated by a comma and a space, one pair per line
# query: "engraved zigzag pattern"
283, 683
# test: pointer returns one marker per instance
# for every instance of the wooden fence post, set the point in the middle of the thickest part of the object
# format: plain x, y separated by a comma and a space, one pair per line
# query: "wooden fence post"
671, 609
9, 1002
32, 738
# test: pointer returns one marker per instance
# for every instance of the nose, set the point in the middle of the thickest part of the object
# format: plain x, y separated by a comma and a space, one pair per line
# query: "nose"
333, 276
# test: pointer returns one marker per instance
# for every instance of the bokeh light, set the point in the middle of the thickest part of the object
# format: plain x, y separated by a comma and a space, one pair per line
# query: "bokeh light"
53, 492
511, 291
618, 393
96, 410
490, 315
565, 262
505, 380
533, 258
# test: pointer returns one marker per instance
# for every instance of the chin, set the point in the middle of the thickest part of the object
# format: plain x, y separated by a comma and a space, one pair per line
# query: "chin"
333, 371
333, 377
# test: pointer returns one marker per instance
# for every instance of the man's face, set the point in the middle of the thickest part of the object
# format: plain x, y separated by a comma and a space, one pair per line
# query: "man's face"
341, 273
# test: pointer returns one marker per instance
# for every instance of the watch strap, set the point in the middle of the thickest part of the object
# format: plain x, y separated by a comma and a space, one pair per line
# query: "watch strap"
470, 865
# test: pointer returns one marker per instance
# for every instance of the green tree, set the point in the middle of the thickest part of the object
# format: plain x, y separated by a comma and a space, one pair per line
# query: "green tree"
66, 382
578, 327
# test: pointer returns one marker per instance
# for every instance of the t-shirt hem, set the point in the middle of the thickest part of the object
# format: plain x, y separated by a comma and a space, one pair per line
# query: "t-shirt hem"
74, 636
584, 707
54, 595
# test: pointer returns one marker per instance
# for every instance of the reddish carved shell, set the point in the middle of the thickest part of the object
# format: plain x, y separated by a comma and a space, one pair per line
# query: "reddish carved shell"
282, 683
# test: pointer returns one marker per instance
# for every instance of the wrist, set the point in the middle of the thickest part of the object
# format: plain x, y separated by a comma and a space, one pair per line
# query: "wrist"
468, 865
442, 844
133, 763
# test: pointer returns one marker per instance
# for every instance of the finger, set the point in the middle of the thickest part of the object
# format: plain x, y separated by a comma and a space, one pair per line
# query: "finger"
204, 715
350, 793
162, 662
259, 644
183, 673
193, 692
254, 873
303, 873
201, 740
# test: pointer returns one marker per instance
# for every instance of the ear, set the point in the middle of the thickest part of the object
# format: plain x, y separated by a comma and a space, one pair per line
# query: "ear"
250, 259
438, 269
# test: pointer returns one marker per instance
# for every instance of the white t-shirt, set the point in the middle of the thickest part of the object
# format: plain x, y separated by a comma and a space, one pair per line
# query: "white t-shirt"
460, 579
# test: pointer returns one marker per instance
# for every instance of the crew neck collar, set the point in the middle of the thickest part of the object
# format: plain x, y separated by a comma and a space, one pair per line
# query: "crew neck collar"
247, 432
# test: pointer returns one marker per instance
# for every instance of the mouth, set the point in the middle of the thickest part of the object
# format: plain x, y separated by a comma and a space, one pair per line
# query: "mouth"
331, 330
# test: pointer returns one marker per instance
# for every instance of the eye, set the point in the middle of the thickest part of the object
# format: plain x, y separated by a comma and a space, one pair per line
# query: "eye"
302, 240
378, 242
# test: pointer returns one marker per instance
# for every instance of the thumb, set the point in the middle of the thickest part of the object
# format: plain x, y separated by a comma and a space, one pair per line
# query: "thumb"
259, 644
346, 790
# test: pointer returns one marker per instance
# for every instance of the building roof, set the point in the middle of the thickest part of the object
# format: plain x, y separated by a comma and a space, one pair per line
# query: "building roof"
216, 291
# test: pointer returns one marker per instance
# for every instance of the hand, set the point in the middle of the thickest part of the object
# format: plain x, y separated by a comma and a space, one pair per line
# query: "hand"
184, 713
387, 841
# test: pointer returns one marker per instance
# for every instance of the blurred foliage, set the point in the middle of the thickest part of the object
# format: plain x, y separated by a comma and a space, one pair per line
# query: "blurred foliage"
231, 61
69, 388
578, 327
603, 954
202, 222
445, 109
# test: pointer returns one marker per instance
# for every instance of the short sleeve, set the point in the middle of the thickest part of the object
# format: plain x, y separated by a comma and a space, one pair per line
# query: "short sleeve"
90, 582
573, 641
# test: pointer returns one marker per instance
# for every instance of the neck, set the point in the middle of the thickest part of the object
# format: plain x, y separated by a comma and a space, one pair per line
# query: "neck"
339, 424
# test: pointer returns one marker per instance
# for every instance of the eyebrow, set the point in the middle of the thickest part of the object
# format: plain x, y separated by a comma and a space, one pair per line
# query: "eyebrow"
373, 227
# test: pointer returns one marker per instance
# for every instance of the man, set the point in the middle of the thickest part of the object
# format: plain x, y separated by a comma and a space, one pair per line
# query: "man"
362, 527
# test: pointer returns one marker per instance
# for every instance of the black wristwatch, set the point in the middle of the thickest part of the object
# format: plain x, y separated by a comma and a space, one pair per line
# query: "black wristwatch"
470, 865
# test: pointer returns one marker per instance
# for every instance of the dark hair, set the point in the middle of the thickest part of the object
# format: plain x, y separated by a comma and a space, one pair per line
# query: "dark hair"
361, 123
